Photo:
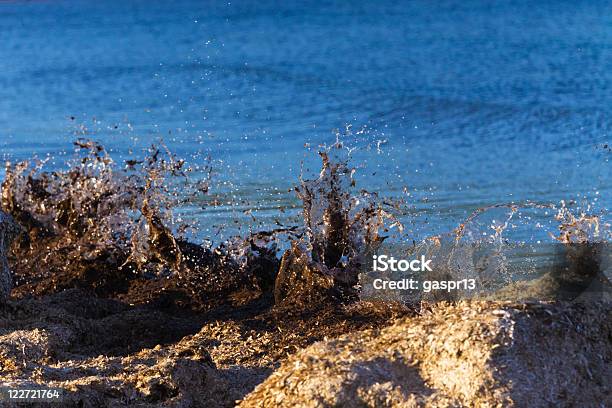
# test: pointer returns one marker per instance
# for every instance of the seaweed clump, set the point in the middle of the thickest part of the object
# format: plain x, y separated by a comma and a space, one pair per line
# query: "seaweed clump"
463, 354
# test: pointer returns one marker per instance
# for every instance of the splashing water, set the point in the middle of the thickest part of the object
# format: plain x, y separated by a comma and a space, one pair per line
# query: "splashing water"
482, 247
341, 227
97, 216
98, 223
94, 206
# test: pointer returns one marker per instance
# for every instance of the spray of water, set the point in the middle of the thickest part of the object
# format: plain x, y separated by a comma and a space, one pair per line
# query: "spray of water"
98, 224
105, 224
342, 227
568, 246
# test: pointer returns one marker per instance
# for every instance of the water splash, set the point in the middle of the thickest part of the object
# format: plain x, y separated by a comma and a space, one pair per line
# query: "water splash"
568, 243
105, 224
101, 225
95, 206
342, 227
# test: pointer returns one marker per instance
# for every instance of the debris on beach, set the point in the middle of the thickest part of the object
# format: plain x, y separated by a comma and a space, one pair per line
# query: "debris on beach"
464, 354
104, 352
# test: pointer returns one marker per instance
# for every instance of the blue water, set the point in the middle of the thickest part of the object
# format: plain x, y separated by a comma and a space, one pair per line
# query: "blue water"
465, 103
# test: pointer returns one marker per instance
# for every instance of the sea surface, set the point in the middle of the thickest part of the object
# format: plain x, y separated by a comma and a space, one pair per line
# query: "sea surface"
450, 105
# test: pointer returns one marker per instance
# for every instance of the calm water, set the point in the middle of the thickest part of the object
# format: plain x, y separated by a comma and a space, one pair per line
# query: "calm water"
464, 103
